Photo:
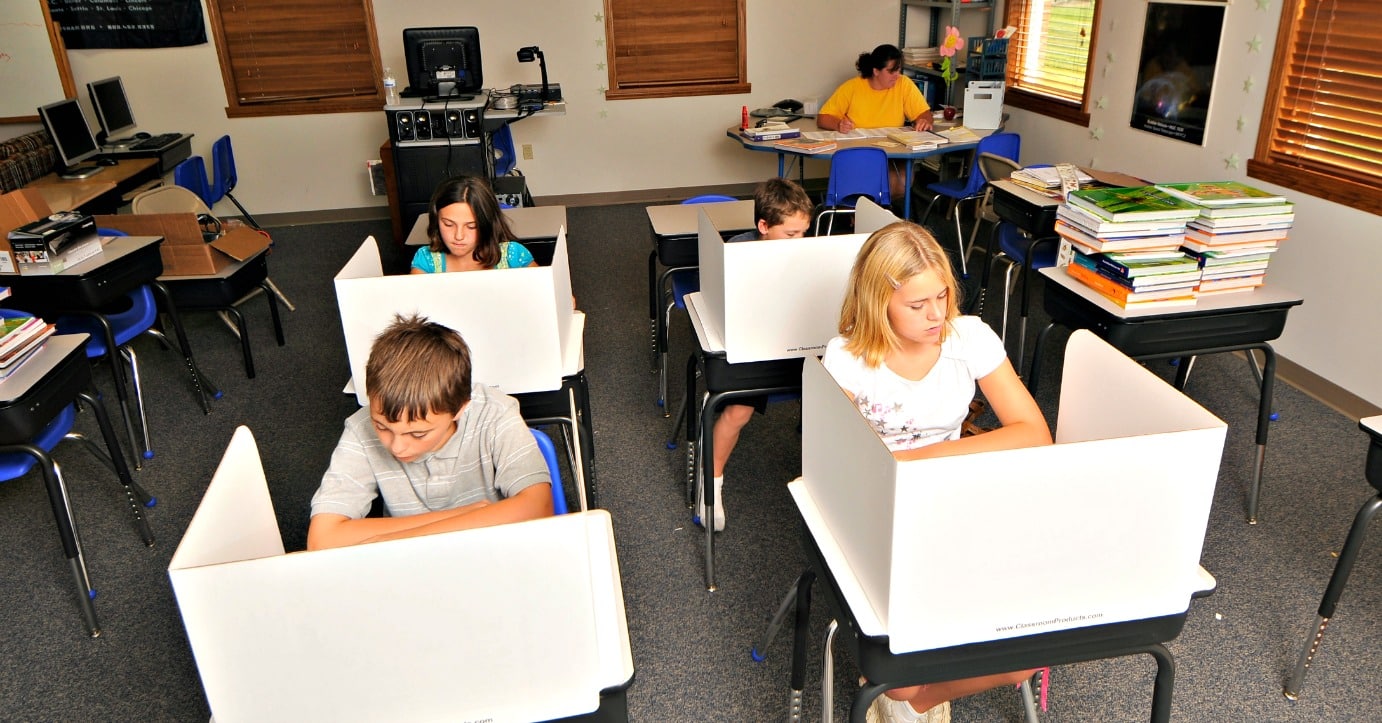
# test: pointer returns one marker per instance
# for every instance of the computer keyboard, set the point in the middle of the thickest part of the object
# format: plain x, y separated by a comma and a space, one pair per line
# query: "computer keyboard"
155, 142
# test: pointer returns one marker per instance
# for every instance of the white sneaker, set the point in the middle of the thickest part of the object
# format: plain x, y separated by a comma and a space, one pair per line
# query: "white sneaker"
887, 710
719, 506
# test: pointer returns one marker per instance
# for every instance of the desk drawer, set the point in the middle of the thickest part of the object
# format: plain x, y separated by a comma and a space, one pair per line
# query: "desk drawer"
1035, 220
23, 418
721, 376
217, 293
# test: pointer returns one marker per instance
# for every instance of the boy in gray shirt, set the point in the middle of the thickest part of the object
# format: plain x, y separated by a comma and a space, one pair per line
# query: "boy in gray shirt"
444, 455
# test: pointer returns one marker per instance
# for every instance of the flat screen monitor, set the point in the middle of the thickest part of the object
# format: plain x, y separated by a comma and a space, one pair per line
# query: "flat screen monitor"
66, 123
442, 62
112, 108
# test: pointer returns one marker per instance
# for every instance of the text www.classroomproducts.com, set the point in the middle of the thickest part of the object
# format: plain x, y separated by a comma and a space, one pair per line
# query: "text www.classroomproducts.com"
1045, 623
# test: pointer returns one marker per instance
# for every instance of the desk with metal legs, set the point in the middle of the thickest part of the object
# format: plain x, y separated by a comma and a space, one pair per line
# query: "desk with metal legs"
674, 247
57, 375
126, 263
867, 641
1222, 323
724, 382
1352, 546
223, 290
1035, 214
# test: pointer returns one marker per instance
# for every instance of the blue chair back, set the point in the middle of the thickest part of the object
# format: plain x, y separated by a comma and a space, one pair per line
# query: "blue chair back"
223, 168
1013, 243
1007, 145
191, 175
16, 464
126, 324
504, 157
858, 172
709, 198
549, 454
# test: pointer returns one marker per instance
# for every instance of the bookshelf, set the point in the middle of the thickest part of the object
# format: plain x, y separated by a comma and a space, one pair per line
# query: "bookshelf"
937, 14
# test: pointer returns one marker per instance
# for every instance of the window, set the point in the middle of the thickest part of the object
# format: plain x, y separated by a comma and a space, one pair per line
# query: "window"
666, 48
305, 56
1321, 130
1049, 56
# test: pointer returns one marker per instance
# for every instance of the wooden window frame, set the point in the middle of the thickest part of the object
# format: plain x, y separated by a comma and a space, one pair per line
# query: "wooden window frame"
239, 107
1061, 109
621, 45
1273, 160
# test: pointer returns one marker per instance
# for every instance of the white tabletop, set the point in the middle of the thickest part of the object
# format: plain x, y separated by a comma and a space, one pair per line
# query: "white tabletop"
679, 219
526, 222
1266, 295
55, 348
1372, 424
710, 339
1032, 196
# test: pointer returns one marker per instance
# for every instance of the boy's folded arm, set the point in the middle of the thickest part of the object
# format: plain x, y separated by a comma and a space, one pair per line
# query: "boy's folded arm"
328, 530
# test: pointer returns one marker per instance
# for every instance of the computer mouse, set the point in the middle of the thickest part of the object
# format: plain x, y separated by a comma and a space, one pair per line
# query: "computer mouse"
107, 162
141, 135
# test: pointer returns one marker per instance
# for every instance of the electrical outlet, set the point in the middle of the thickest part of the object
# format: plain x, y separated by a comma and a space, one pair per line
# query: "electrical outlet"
527, 151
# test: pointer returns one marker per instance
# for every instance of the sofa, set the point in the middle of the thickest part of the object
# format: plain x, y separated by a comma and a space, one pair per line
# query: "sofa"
25, 158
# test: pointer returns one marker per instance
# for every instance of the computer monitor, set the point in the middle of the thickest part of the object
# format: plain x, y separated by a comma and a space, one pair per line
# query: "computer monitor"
66, 123
442, 62
112, 108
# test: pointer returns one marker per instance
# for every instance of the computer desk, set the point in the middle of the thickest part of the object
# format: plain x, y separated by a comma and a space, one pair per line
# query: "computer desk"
125, 264
674, 246
1221, 323
103, 193
896, 151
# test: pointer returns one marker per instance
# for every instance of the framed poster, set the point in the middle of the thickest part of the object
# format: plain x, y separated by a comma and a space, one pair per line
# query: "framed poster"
1175, 74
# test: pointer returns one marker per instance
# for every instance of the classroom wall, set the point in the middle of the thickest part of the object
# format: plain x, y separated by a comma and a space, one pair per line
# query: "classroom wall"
1333, 253
798, 48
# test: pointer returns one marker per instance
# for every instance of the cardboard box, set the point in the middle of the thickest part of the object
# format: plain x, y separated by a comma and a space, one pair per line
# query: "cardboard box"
53, 235
184, 251
1107, 525
38, 262
16, 209
522, 332
538, 607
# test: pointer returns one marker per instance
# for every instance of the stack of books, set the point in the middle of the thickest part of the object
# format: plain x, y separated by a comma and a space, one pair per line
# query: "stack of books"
1235, 233
20, 338
770, 131
1046, 178
1125, 244
916, 140
921, 57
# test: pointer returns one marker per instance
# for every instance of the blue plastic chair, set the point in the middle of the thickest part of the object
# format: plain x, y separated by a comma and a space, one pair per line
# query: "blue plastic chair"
191, 175
504, 157
971, 187
17, 459
680, 282
225, 178
549, 454
855, 172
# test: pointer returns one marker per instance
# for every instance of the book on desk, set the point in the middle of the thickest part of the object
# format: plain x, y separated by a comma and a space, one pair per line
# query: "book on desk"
916, 140
770, 132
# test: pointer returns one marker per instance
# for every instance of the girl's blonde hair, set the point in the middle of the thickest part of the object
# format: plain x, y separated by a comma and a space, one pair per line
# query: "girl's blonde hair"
891, 256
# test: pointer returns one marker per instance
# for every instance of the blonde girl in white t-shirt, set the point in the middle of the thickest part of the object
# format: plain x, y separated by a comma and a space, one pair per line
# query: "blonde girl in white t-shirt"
910, 362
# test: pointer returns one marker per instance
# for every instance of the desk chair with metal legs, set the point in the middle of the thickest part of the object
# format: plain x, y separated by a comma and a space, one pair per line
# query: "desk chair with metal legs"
854, 172
36, 420
1352, 546
971, 188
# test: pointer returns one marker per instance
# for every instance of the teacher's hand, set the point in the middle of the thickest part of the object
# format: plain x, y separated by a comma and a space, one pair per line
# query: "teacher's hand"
846, 125
923, 123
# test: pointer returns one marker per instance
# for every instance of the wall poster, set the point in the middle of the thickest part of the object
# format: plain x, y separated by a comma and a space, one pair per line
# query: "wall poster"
1180, 48
129, 23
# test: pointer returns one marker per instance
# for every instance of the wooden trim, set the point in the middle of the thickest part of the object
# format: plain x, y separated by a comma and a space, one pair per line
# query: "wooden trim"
1058, 109
676, 91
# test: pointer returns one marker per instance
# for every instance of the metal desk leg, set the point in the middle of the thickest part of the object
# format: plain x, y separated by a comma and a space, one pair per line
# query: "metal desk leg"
273, 310
1164, 687
202, 384
907, 195
134, 494
1342, 569
1264, 414
1034, 375
121, 391
653, 299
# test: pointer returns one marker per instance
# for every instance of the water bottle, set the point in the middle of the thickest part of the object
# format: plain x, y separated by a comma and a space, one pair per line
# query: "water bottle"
390, 88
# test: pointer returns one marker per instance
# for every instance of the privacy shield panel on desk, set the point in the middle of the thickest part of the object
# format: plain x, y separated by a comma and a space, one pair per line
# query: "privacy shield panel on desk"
518, 323
431, 628
1115, 511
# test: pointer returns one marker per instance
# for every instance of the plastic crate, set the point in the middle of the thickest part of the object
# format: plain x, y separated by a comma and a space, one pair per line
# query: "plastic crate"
988, 58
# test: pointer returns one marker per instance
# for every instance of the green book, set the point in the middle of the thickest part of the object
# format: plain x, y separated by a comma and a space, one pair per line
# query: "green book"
1221, 193
1144, 203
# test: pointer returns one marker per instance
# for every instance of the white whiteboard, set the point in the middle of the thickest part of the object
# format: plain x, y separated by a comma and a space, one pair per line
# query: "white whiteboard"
33, 67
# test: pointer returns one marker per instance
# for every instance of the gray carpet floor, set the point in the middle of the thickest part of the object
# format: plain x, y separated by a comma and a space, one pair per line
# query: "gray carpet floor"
690, 647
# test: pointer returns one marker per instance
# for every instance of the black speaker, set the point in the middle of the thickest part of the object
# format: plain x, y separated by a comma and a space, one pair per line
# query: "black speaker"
403, 126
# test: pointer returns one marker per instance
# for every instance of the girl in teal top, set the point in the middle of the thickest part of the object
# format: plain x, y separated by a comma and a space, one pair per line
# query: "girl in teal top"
467, 232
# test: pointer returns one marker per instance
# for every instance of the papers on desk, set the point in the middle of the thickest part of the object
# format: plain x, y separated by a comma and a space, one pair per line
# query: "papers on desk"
854, 135
960, 134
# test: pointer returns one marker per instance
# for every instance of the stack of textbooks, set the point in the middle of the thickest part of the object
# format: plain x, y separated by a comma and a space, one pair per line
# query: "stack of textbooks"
1235, 233
770, 131
20, 338
1046, 178
1125, 244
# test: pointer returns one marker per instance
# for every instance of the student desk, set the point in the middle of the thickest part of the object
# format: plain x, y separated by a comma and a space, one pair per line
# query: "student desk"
1352, 546
535, 226
1035, 214
1220, 323
125, 263
674, 246
867, 641
104, 192
895, 151
57, 375
724, 382
222, 290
